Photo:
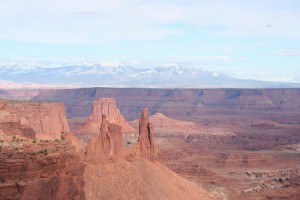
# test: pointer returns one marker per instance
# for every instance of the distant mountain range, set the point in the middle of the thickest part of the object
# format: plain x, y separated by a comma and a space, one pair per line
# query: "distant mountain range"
171, 76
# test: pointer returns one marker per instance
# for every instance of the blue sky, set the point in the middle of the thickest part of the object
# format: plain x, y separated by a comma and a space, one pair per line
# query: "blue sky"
257, 39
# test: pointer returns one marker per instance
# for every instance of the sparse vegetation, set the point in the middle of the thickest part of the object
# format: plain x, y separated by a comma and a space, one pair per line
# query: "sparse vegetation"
33, 153
44, 151
62, 135
34, 141
13, 138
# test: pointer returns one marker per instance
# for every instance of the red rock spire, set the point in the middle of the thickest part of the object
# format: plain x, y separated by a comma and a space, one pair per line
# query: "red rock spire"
146, 133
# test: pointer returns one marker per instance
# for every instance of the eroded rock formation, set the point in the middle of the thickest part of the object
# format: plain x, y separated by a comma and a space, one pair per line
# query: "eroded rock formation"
108, 143
40, 169
146, 133
48, 120
108, 107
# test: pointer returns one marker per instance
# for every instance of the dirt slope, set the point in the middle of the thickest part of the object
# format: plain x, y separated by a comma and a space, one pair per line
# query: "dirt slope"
136, 180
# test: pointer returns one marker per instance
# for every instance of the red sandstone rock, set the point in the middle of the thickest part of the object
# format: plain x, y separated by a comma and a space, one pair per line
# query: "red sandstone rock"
146, 132
2, 106
10, 125
40, 170
108, 143
48, 120
108, 107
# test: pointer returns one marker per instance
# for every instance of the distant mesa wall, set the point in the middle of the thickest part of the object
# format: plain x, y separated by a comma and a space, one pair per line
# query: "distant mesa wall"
108, 107
176, 103
46, 120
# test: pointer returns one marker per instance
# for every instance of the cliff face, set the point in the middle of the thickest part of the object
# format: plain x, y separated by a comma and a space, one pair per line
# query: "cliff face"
10, 125
177, 103
47, 120
37, 169
107, 107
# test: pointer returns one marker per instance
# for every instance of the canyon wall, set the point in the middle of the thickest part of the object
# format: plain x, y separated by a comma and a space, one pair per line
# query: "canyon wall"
47, 120
176, 103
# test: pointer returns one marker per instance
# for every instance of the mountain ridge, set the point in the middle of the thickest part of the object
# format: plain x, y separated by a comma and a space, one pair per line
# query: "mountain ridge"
123, 76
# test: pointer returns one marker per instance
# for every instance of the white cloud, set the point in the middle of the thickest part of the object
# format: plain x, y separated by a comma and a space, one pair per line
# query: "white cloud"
99, 21
287, 52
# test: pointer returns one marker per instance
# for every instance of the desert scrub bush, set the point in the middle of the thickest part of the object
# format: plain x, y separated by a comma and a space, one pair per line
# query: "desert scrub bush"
44, 151
9, 155
57, 140
33, 153
34, 141
13, 138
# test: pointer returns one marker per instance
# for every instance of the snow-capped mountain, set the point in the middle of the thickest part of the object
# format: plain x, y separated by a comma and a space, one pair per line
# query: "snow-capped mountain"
122, 75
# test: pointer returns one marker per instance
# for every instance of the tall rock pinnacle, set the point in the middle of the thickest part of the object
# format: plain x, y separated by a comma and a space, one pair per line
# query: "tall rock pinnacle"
108, 144
146, 132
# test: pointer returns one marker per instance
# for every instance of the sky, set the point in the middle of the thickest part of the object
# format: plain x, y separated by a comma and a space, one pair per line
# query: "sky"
250, 39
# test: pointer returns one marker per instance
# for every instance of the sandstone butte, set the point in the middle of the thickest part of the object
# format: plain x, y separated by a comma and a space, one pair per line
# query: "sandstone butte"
49, 169
108, 107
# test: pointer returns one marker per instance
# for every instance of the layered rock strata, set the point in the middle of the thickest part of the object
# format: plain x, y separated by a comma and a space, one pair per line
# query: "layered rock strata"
47, 120
10, 125
106, 106
39, 169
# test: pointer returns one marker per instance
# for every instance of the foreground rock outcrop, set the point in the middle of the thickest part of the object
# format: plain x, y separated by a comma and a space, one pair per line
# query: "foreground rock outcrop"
106, 106
39, 169
54, 169
139, 179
